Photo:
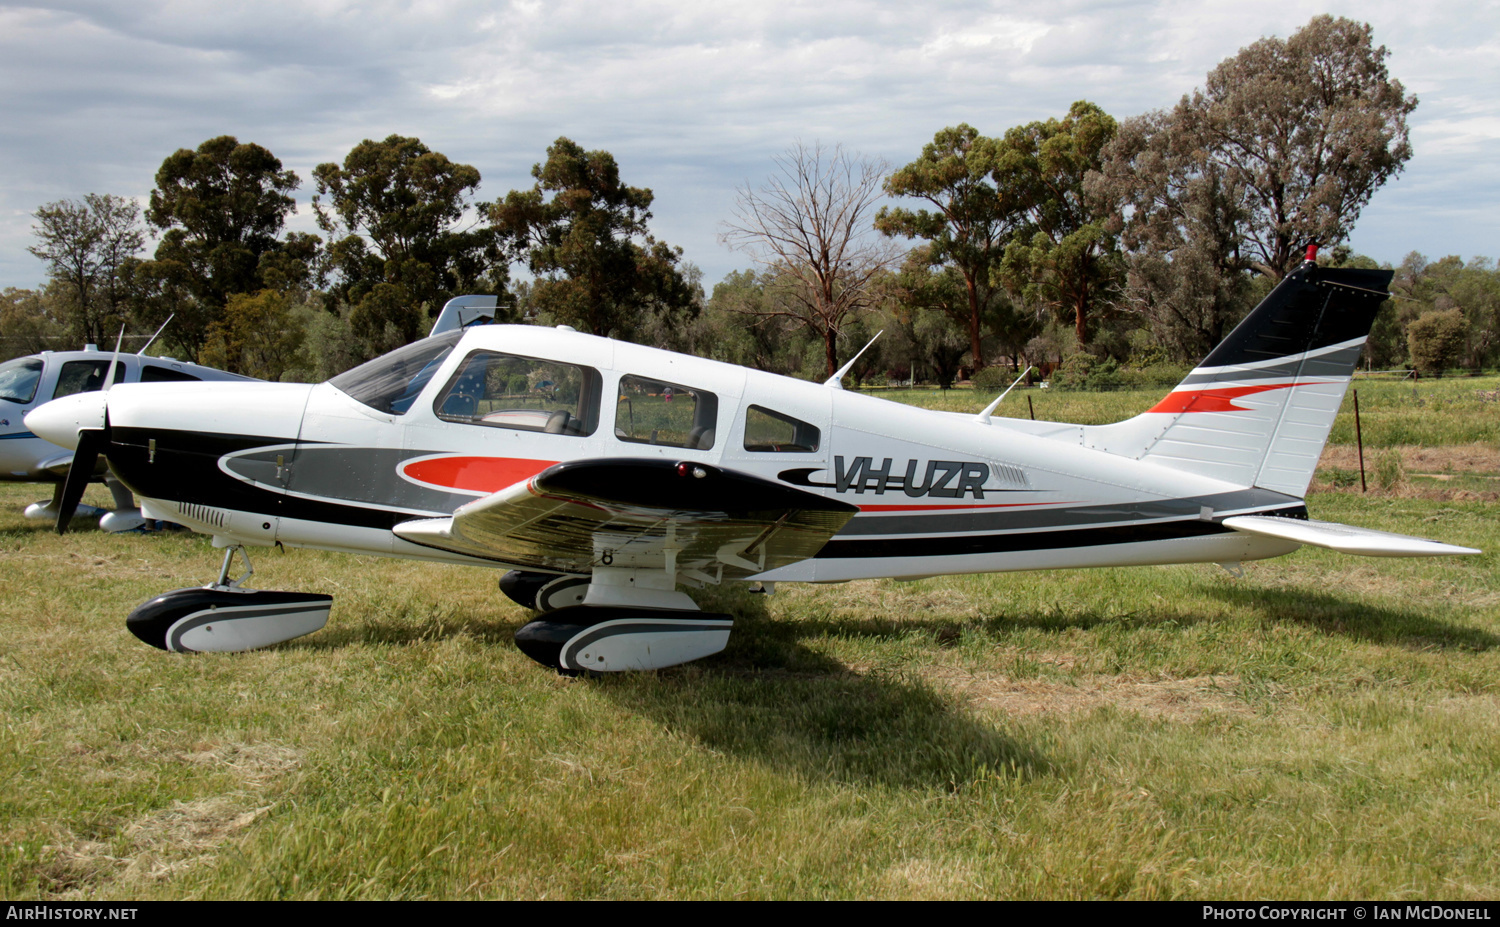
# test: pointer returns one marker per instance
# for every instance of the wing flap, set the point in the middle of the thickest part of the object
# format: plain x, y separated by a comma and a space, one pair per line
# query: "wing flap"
642, 514
1344, 538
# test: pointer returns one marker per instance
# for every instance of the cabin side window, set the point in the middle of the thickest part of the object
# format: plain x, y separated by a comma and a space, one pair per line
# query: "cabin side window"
778, 433
164, 375
668, 414
523, 394
85, 376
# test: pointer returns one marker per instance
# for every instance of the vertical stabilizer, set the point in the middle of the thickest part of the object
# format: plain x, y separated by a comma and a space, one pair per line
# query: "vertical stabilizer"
1258, 410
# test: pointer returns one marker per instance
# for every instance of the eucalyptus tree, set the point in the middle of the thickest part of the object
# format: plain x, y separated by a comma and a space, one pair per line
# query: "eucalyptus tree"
971, 219
584, 234
1282, 147
1063, 257
404, 234
221, 207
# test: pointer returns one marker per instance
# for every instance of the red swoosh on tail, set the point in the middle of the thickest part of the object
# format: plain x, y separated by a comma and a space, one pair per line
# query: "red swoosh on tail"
1213, 400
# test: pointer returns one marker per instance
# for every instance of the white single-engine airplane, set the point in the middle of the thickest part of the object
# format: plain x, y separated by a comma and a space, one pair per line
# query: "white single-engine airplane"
31, 381
605, 475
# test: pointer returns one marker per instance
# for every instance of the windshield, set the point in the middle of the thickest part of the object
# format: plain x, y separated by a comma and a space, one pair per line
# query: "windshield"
18, 379
390, 383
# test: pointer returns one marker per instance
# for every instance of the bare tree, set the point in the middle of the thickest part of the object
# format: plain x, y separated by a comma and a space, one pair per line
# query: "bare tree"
811, 226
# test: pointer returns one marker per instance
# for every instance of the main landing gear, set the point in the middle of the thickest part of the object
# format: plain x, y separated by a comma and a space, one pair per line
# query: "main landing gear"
614, 620
225, 616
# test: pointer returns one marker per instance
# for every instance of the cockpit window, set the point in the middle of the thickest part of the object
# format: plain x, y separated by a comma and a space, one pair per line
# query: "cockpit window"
390, 383
522, 393
654, 412
778, 433
18, 379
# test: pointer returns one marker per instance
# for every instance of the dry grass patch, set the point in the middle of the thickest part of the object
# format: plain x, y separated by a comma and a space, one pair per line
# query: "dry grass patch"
163, 843
1460, 458
1183, 700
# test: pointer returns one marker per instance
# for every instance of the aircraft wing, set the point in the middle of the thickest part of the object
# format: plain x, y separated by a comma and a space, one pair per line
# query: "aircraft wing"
699, 521
1344, 538
58, 465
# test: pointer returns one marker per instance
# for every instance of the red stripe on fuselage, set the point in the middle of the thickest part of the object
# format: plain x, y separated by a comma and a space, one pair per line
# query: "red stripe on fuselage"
474, 474
1213, 400
945, 508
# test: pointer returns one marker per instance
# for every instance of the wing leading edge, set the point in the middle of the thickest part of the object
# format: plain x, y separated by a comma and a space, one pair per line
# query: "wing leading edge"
691, 519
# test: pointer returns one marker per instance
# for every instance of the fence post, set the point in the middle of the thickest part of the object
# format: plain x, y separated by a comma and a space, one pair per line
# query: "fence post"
1359, 442
1030, 408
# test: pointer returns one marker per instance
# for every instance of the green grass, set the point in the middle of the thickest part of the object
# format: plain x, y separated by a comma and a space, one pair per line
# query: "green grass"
1325, 726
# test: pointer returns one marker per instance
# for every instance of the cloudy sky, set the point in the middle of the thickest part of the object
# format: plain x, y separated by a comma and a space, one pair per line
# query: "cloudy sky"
693, 99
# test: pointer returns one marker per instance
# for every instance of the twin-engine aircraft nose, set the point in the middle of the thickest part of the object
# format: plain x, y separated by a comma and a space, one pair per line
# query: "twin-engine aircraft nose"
59, 421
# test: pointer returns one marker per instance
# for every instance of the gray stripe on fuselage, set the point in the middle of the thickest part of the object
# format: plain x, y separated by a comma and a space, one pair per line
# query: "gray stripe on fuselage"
1070, 517
362, 475
1338, 363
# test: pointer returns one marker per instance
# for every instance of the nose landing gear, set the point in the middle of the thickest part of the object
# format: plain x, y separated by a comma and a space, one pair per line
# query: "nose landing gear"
224, 616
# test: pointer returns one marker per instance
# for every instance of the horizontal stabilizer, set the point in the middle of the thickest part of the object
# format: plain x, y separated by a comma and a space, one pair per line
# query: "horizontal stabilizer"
1344, 538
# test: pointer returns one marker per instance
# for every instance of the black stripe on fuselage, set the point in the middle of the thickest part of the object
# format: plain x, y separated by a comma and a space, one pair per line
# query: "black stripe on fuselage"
1018, 541
185, 468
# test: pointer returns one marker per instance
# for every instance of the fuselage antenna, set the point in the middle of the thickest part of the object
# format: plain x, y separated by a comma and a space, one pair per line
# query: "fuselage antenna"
142, 351
837, 380
983, 418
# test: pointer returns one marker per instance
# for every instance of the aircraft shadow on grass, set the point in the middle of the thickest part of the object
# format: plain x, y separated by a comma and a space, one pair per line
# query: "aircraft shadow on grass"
1334, 614
770, 698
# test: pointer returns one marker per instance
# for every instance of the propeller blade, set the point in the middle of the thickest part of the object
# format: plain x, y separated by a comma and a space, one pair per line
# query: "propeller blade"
85, 456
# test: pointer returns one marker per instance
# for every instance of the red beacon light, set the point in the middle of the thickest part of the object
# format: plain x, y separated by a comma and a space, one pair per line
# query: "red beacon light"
1312, 254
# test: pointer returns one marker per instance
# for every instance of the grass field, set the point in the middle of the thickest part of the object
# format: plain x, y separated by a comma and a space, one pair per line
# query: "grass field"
1324, 727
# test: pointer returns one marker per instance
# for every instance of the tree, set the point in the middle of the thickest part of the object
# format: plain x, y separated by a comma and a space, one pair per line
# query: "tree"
395, 212
258, 336
740, 327
597, 266
1306, 129
1064, 256
221, 208
810, 224
928, 306
1182, 223
28, 323
1472, 289
1437, 340
86, 246
972, 221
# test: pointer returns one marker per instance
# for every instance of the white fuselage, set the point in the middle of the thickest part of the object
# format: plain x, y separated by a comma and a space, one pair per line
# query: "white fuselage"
938, 492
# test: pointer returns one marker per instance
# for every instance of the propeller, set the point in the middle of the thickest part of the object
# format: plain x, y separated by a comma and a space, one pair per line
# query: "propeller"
85, 456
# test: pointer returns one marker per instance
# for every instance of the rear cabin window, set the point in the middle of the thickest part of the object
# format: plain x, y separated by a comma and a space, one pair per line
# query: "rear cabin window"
669, 414
522, 393
392, 382
164, 375
778, 433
